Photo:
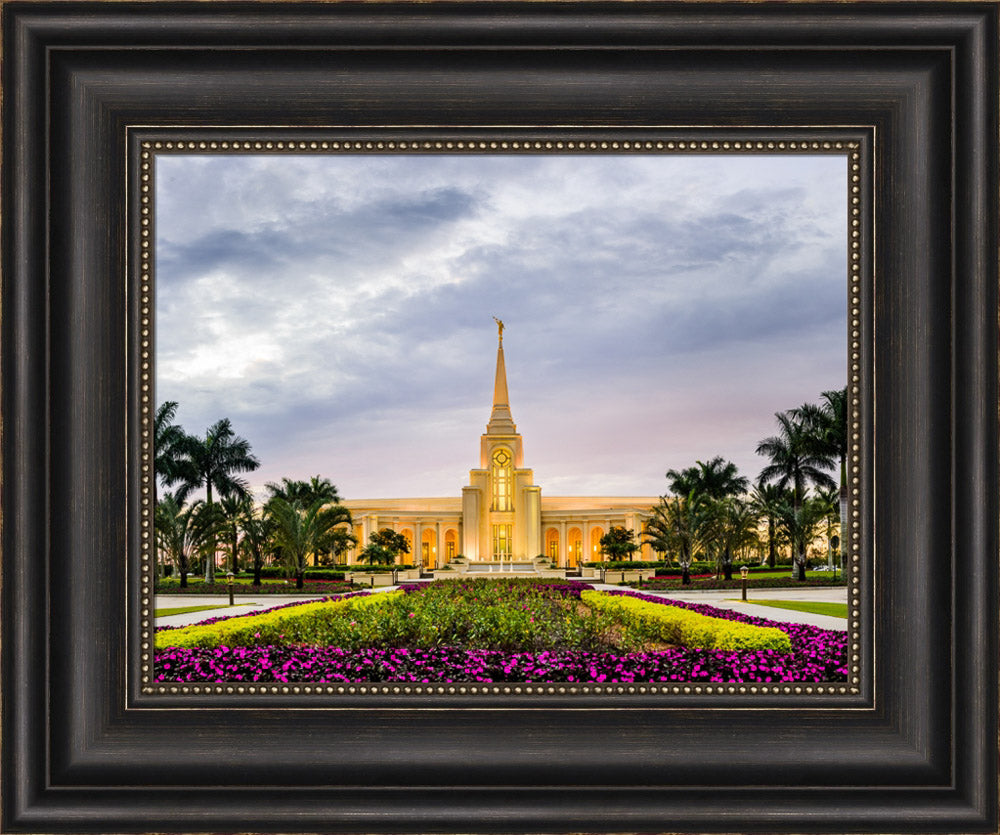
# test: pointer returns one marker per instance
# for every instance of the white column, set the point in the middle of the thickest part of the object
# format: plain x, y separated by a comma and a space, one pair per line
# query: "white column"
562, 555
418, 543
438, 544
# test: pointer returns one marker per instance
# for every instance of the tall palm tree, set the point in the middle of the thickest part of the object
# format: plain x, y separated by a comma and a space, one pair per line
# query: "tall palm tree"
301, 531
829, 500
835, 409
167, 439
232, 509
211, 462
797, 460
736, 527
258, 532
181, 532
828, 423
767, 499
801, 525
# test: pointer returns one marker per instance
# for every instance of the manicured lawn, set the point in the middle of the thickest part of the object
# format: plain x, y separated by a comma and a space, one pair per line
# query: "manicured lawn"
834, 610
183, 610
499, 630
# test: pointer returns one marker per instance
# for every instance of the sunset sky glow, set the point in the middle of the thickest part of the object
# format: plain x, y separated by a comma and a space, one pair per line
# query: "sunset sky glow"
659, 309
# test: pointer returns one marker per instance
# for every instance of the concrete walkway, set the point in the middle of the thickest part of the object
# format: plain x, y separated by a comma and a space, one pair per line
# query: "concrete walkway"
724, 599
244, 605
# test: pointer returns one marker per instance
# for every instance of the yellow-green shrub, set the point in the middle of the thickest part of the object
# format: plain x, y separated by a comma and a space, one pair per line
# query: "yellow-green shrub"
261, 629
686, 628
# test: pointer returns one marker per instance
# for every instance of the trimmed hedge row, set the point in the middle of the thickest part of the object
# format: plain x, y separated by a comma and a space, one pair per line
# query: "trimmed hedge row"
260, 628
312, 587
710, 583
272, 572
686, 628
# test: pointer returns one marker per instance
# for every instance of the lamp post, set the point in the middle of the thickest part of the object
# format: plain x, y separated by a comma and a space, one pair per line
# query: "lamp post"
744, 573
229, 584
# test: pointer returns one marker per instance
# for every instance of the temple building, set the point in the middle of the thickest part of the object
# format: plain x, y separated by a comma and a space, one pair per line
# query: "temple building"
502, 514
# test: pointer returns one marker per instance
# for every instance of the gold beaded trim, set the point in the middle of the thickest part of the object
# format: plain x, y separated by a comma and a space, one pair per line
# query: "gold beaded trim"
148, 153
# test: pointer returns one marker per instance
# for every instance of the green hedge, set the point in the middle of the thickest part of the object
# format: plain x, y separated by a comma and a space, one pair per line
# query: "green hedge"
373, 569
824, 578
620, 564
683, 627
269, 627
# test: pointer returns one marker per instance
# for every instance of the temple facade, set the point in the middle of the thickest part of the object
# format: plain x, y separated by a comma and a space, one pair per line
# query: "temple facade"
501, 515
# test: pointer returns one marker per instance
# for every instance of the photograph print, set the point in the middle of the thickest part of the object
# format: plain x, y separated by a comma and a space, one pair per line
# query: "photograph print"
501, 417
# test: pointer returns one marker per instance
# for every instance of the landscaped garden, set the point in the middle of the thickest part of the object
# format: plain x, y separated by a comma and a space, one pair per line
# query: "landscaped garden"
197, 586
491, 630
709, 582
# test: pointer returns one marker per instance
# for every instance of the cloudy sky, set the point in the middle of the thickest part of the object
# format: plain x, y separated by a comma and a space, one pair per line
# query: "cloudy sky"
659, 310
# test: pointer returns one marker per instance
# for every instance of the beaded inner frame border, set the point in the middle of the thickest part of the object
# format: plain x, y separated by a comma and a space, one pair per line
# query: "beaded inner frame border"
144, 233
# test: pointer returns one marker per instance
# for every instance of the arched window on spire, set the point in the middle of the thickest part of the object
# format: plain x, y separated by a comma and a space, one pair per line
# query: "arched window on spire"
503, 478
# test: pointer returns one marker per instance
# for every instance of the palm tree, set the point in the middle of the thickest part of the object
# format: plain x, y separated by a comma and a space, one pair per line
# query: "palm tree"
797, 460
257, 541
679, 526
736, 527
232, 510
801, 525
682, 482
211, 462
181, 532
710, 482
828, 498
303, 492
719, 478
828, 423
767, 499
167, 438
303, 531
835, 410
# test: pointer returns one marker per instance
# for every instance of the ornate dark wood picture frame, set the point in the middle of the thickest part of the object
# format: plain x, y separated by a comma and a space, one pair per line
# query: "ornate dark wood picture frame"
912, 746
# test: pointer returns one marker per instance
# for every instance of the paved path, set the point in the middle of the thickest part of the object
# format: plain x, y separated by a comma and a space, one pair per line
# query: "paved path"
246, 603
724, 599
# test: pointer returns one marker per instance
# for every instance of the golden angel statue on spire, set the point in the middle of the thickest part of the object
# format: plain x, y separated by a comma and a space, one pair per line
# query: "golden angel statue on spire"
499, 327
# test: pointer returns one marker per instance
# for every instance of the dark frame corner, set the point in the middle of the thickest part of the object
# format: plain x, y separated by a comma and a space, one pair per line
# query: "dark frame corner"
84, 751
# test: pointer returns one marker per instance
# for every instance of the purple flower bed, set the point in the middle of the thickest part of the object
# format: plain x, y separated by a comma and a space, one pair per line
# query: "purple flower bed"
450, 664
810, 644
818, 655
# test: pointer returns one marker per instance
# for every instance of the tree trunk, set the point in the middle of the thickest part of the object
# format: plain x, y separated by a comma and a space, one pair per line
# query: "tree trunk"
843, 514
727, 570
800, 565
299, 576
210, 556
256, 573
685, 576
